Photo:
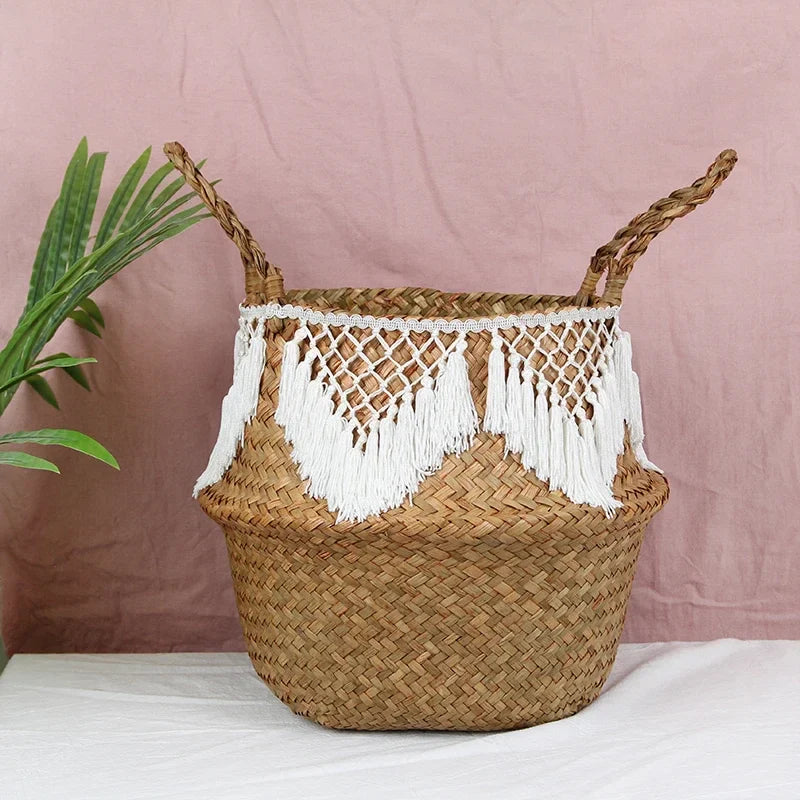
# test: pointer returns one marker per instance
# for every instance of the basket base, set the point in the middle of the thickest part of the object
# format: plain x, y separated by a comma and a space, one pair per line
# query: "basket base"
491, 630
511, 716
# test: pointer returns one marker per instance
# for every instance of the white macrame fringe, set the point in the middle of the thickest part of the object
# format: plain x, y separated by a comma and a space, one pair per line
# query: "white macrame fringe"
362, 475
366, 470
565, 448
630, 401
240, 404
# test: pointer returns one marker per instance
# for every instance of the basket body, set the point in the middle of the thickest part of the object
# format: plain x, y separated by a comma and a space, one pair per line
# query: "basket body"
489, 603
493, 601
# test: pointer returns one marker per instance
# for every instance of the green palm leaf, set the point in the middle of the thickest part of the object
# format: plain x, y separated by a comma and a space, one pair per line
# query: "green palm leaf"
43, 389
120, 198
84, 211
83, 320
63, 438
12, 458
37, 273
51, 260
75, 371
142, 198
90, 307
44, 365
169, 190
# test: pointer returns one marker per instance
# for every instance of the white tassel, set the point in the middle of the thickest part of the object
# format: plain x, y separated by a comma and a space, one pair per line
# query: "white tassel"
636, 426
427, 438
456, 417
573, 484
405, 464
251, 368
289, 362
557, 465
623, 366
324, 470
542, 425
338, 488
599, 493
297, 394
602, 425
529, 449
589, 461
634, 416
352, 505
616, 420
494, 420
514, 418
371, 494
224, 450
238, 407
323, 426
630, 397
388, 472
309, 425
240, 343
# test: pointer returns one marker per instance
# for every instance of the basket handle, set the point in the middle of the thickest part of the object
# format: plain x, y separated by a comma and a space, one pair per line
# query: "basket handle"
263, 281
630, 242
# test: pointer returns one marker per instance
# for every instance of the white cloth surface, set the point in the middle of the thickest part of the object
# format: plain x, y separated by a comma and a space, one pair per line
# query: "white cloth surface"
699, 721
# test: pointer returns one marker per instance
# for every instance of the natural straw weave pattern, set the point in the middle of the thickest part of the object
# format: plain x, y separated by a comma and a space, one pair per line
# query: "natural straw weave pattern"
491, 602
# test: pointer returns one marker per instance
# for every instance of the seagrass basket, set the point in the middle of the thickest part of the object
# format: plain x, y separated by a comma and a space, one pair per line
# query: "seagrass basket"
383, 583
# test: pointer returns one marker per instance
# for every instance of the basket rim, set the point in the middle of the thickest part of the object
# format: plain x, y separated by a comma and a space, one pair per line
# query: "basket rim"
389, 304
315, 316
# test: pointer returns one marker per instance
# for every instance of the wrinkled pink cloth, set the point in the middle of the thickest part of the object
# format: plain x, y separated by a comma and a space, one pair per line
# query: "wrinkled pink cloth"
465, 146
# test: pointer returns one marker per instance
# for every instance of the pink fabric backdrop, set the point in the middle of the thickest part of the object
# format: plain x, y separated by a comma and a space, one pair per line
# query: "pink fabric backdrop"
473, 145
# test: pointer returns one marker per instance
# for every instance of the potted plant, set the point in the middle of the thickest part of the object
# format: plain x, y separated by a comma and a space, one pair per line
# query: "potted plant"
69, 266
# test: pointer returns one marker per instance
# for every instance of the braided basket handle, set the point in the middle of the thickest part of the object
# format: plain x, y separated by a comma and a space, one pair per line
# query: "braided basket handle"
263, 281
630, 242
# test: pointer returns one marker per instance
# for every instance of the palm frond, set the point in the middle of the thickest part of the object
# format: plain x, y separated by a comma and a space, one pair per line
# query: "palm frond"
64, 275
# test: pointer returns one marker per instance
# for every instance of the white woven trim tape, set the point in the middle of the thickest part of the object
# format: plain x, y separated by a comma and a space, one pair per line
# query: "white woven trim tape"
364, 438
310, 315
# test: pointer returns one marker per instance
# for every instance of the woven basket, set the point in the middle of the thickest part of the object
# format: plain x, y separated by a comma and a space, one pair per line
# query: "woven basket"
491, 602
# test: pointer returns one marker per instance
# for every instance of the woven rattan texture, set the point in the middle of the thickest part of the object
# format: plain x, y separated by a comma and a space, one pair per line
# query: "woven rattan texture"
490, 603
429, 303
